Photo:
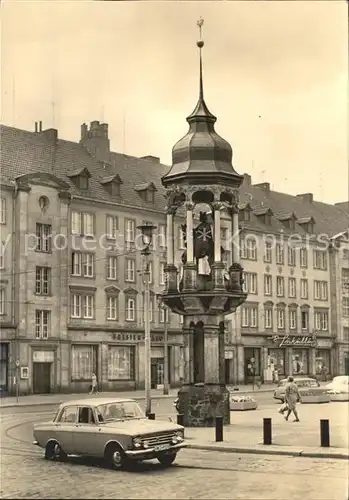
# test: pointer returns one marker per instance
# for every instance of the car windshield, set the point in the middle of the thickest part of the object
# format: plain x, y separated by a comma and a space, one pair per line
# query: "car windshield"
119, 411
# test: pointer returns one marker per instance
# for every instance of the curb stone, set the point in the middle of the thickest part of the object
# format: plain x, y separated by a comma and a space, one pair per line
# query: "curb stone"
259, 451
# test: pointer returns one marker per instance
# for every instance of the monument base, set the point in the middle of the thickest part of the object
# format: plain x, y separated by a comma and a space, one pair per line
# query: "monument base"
202, 403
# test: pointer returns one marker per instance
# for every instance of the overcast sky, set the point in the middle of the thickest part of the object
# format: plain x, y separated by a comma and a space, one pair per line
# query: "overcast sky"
275, 75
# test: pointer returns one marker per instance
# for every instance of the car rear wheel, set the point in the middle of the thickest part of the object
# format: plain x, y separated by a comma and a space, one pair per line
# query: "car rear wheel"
115, 457
167, 460
54, 451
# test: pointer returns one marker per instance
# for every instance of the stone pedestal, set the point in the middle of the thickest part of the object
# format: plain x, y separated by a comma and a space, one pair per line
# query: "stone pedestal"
202, 403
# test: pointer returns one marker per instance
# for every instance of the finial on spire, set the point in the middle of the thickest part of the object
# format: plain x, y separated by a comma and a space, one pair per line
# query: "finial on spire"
200, 44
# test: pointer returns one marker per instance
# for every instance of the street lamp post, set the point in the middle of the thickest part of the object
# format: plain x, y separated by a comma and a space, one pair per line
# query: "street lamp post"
164, 308
147, 233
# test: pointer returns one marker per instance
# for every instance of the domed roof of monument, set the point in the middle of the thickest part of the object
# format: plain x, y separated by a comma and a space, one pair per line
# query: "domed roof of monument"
202, 156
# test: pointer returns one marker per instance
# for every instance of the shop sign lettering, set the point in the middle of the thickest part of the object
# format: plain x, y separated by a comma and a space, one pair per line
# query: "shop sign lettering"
294, 341
134, 337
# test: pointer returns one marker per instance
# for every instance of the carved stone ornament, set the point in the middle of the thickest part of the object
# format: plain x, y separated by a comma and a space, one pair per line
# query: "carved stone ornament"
175, 198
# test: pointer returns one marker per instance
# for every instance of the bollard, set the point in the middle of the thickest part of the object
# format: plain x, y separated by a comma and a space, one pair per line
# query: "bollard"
151, 416
325, 433
267, 431
219, 429
180, 419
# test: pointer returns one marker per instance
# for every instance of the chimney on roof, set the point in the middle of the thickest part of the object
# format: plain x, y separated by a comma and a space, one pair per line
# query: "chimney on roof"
36, 127
51, 134
40, 126
154, 159
306, 197
96, 140
263, 185
247, 179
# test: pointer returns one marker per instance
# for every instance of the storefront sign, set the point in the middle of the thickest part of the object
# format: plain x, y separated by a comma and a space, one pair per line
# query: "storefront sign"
294, 341
229, 354
137, 337
43, 356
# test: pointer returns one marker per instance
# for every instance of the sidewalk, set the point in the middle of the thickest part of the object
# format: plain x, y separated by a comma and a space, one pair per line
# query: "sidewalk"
50, 399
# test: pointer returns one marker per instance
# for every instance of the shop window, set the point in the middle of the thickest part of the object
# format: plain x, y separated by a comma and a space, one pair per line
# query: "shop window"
252, 362
84, 362
300, 361
277, 359
323, 362
120, 362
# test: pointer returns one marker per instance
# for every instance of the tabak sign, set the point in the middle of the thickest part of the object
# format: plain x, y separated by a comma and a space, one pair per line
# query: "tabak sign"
294, 340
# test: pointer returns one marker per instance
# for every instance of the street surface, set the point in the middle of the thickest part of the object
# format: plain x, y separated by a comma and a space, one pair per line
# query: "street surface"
196, 473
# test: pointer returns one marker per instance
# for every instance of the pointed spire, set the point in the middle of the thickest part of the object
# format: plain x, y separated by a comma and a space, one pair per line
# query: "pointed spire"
201, 111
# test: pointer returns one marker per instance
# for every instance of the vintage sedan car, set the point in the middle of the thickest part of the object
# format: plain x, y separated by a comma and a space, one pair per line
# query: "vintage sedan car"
338, 389
114, 429
305, 385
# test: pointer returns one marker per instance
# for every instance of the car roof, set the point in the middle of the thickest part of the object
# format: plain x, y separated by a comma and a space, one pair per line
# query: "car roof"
95, 402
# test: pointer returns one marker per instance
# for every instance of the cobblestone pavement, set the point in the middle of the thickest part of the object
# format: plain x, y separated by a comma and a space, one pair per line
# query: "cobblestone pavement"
197, 474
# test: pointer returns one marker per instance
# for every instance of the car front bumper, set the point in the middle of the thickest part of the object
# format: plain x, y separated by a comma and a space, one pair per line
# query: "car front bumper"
149, 453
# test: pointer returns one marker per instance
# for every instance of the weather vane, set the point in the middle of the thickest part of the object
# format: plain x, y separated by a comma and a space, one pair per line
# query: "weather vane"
200, 23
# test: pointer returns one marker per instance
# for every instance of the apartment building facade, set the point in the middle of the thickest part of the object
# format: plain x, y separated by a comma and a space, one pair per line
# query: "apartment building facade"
71, 282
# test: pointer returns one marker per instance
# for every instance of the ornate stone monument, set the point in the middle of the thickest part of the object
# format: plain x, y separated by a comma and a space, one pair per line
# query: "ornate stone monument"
208, 288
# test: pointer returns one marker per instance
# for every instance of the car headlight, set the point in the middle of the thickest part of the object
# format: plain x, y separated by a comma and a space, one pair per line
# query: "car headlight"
137, 442
146, 444
179, 435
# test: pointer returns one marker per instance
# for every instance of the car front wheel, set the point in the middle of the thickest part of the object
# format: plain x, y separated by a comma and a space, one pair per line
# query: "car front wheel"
54, 451
167, 460
115, 457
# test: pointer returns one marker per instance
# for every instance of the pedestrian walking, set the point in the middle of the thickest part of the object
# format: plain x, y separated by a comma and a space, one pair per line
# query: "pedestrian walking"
94, 384
291, 398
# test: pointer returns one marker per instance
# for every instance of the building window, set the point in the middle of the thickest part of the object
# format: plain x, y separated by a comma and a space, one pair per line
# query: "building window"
292, 292
82, 305
2, 301
82, 223
320, 290
112, 307
304, 289
346, 333
2, 211
43, 237
249, 317
268, 317
248, 248
280, 286
162, 273
300, 361
42, 324
267, 252
130, 230
305, 320
280, 314
164, 315
293, 319
303, 257
43, 281
345, 306
112, 226
121, 365
130, 270
268, 284
162, 235
83, 264
277, 360
321, 321
322, 362
84, 362
345, 280
291, 256
130, 309
112, 268
2, 254
250, 283
320, 260
279, 249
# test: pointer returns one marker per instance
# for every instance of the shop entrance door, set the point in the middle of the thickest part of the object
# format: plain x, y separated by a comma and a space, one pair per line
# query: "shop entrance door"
157, 372
41, 378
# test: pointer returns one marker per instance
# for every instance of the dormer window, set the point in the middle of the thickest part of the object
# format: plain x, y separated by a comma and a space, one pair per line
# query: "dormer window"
288, 220
307, 223
245, 212
146, 191
112, 184
264, 214
80, 178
